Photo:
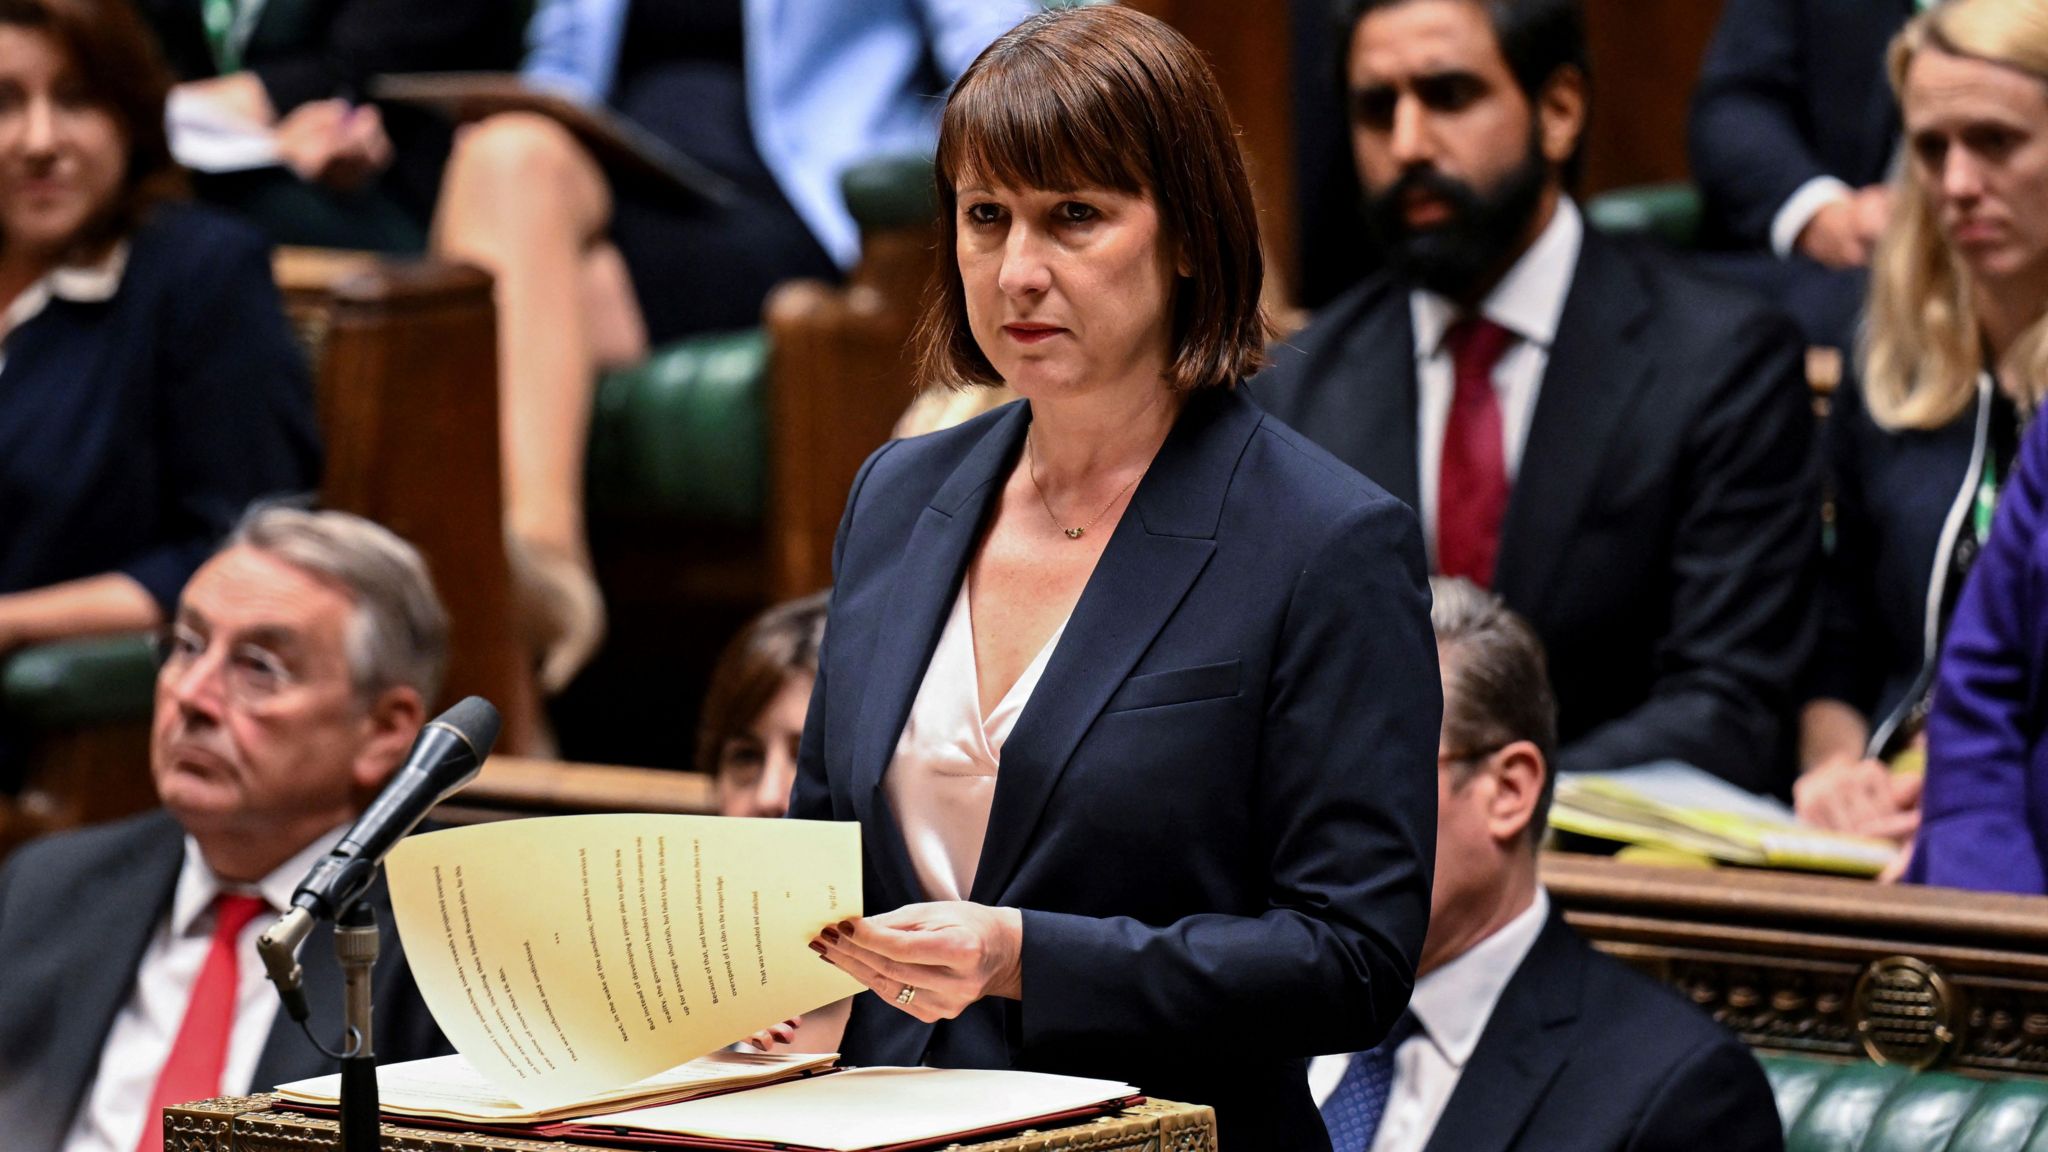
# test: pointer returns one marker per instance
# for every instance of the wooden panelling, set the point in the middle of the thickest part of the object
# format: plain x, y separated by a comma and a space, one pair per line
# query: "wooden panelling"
1646, 56
1844, 968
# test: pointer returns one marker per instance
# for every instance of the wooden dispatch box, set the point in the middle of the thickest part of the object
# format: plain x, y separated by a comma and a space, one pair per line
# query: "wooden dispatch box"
259, 1124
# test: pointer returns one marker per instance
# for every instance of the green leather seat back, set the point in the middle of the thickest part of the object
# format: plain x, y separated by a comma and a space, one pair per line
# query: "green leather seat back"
680, 437
1666, 212
1829, 1107
79, 683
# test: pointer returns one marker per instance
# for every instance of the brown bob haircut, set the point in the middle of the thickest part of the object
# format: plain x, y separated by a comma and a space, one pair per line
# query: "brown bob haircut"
777, 644
116, 60
1105, 97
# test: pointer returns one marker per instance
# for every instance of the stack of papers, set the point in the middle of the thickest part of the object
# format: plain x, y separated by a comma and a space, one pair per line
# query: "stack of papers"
1676, 807
448, 1088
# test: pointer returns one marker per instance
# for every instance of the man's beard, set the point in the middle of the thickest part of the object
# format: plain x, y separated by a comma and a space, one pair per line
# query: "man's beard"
1461, 257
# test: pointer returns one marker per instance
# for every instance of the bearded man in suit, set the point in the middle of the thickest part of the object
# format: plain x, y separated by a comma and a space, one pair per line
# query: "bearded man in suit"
1621, 449
295, 677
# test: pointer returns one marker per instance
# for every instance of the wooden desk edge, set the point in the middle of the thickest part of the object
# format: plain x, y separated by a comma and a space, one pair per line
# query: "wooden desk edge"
259, 1124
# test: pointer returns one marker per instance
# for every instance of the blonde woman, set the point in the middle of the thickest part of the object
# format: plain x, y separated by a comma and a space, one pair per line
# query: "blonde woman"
1954, 358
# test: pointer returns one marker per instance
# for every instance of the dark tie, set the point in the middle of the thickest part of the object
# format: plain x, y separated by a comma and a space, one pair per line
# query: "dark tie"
1352, 1112
200, 1052
1472, 477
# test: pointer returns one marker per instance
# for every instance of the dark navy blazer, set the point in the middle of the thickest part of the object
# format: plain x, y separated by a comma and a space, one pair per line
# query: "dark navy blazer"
134, 431
1791, 90
1893, 494
1584, 1054
1217, 811
1984, 815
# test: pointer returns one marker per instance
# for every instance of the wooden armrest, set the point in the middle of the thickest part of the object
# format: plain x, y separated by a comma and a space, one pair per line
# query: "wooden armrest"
557, 787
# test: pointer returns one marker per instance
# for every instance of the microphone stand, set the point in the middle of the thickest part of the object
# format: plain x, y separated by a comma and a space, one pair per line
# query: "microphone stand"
355, 946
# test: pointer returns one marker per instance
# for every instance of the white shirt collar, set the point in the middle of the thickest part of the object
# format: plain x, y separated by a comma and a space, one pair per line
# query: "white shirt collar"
79, 283
1528, 301
1454, 1002
197, 884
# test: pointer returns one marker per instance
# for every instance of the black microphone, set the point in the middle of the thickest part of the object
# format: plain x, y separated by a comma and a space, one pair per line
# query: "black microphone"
447, 755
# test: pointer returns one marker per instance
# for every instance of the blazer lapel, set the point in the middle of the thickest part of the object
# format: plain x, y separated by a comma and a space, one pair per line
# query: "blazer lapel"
1154, 557
1595, 366
928, 579
1371, 369
1523, 1047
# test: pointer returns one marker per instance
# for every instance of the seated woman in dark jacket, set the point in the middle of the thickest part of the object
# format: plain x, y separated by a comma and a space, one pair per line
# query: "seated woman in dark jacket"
1974, 80
1950, 370
150, 387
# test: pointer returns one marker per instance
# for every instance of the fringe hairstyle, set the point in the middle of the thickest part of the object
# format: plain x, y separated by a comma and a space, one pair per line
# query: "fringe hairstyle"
1921, 349
1105, 97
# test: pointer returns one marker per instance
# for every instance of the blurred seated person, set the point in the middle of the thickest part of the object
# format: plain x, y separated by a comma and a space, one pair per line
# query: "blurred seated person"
754, 710
1792, 133
1620, 448
1973, 80
296, 673
1952, 367
1504, 986
591, 274
352, 174
152, 386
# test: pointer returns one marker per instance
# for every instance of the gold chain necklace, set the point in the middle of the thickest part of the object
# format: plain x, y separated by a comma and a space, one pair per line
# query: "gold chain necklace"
1031, 466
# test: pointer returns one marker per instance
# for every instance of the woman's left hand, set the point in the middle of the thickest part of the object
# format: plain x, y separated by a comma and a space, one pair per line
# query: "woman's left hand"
947, 955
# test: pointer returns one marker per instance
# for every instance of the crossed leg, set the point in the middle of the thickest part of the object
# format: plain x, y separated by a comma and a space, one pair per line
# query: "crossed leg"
524, 201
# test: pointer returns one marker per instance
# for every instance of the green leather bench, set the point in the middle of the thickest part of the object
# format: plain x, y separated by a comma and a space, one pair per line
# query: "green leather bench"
1669, 213
1864, 1107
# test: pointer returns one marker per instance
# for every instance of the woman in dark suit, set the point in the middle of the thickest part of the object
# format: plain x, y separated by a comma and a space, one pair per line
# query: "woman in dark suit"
150, 387
1954, 361
1131, 688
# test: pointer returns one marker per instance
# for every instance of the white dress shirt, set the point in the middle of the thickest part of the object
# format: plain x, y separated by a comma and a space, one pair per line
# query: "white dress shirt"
1527, 302
1453, 1005
111, 1118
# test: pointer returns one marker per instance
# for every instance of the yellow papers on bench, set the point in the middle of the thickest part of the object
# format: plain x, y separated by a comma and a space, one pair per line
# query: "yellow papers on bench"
569, 955
1677, 807
448, 1088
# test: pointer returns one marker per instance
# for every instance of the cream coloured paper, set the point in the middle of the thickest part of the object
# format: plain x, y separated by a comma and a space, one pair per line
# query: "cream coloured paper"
873, 1107
566, 956
448, 1088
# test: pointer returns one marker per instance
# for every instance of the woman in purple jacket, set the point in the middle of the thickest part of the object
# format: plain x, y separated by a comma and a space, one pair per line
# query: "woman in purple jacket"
1973, 78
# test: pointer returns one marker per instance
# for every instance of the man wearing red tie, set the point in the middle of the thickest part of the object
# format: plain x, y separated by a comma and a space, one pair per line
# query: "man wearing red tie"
295, 676
1620, 449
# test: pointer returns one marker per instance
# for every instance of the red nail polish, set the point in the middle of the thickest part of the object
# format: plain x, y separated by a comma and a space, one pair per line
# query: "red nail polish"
817, 947
846, 926
830, 935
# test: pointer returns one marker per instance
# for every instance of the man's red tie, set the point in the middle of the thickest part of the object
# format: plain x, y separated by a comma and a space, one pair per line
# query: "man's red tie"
200, 1053
1472, 476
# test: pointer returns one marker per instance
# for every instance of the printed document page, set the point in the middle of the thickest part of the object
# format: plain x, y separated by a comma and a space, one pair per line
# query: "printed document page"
567, 956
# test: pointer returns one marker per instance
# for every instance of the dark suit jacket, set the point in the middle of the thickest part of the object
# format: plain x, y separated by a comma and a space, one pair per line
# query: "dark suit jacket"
135, 430
1217, 811
1663, 533
1583, 1054
76, 913
1893, 493
306, 50
1791, 90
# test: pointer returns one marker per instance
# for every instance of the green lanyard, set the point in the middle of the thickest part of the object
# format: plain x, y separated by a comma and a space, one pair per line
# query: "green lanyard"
1985, 507
228, 24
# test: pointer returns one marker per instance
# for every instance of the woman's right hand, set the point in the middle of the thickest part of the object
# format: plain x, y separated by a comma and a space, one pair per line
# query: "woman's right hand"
1857, 796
